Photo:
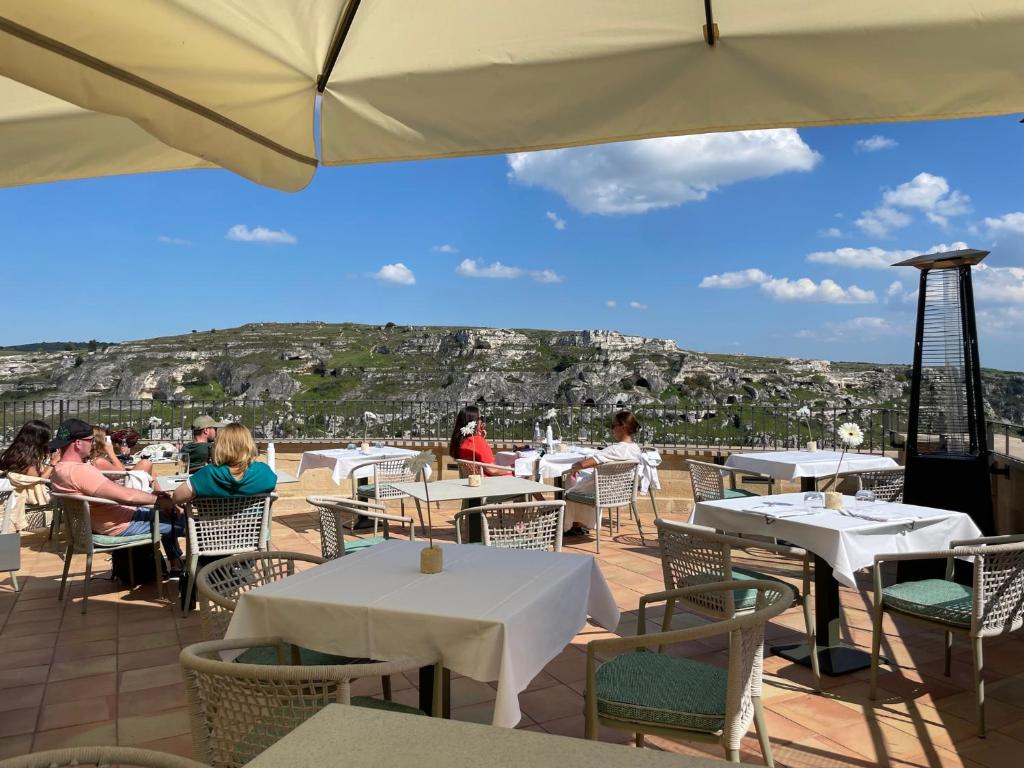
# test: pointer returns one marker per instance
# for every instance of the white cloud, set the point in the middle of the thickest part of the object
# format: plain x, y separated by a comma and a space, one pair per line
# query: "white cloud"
875, 143
860, 258
471, 268
445, 248
740, 279
639, 176
999, 285
1007, 224
830, 232
173, 240
1007, 321
242, 233
556, 222
395, 273
637, 305
806, 290
546, 276
855, 329
611, 304
879, 222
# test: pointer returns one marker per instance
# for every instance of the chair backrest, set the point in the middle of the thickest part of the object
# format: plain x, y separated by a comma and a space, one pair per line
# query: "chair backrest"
998, 588
77, 519
390, 471
6, 511
101, 757
707, 481
239, 710
220, 584
224, 525
467, 467
886, 484
692, 555
526, 525
616, 483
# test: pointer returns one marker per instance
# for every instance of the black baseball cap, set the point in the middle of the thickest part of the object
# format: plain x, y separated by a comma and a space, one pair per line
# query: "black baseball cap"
69, 431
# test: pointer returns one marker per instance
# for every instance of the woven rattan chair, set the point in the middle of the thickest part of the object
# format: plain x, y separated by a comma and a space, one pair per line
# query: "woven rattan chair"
385, 472
82, 541
992, 606
886, 484
615, 486
10, 539
527, 525
117, 476
708, 482
655, 693
693, 554
100, 757
467, 468
224, 525
336, 511
238, 710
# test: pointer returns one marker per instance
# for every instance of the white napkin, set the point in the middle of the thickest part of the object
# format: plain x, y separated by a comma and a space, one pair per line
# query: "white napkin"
879, 515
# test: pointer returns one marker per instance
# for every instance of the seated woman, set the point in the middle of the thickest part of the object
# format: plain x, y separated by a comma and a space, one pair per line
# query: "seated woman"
624, 426
233, 471
104, 457
27, 465
473, 447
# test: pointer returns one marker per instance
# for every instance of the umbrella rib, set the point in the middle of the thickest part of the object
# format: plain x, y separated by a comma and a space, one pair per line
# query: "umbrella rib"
105, 68
340, 35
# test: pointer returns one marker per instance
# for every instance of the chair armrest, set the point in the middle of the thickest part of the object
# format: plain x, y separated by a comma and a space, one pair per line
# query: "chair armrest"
1011, 538
903, 556
365, 507
363, 465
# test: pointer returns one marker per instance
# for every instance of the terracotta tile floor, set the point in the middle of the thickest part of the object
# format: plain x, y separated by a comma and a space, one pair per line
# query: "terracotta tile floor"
111, 676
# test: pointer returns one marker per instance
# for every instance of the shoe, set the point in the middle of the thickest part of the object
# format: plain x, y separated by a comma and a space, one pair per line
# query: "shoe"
362, 523
576, 530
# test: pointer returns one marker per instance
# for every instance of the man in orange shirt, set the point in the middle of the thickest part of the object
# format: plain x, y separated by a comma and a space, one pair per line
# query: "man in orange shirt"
132, 511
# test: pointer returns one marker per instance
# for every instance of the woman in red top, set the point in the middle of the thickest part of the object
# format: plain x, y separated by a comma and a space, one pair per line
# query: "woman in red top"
475, 446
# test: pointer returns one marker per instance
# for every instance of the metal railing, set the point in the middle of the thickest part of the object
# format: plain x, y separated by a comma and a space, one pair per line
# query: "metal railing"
1006, 438
770, 426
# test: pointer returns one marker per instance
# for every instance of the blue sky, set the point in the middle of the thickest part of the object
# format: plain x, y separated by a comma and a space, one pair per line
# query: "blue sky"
723, 242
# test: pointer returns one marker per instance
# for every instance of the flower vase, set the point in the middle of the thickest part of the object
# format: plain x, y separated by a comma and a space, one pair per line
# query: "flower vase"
364, 447
833, 500
431, 559
812, 445
474, 481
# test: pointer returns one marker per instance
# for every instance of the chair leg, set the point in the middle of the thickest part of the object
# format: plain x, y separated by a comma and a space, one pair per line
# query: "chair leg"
159, 560
131, 570
193, 566
14, 581
979, 685
812, 640
949, 652
385, 687
639, 526
639, 740
732, 755
876, 646
54, 522
88, 576
67, 567
762, 732
597, 531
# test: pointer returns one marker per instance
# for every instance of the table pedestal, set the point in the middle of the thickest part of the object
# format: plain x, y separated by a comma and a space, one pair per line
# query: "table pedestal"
834, 657
427, 683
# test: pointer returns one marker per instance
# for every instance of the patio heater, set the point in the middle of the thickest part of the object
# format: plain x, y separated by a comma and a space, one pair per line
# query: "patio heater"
947, 453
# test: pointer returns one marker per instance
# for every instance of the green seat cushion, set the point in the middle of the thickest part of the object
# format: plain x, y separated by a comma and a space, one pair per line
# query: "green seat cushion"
738, 493
99, 540
743, 599
937, 599
368, 490
391, 706
266, 655
581, 497
662, 690
354, 544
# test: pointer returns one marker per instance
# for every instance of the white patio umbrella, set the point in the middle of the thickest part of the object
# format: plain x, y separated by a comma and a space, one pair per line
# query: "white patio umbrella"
235, 82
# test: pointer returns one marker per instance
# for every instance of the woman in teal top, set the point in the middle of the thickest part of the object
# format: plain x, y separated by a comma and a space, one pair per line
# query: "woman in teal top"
234, 471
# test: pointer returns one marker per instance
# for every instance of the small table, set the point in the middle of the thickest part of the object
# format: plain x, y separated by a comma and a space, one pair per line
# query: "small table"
341, 461
842, 544
491, 614
461, 490
808, 466
370, 738
553, 465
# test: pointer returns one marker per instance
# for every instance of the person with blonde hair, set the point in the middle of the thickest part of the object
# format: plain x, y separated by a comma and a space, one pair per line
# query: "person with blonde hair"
104, 457
233, 470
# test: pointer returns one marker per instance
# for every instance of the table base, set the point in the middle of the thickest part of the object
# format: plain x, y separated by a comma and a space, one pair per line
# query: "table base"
427, 683
833, 660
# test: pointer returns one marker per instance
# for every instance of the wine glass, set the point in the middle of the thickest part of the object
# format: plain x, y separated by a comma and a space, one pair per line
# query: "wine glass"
864, 497
814, 500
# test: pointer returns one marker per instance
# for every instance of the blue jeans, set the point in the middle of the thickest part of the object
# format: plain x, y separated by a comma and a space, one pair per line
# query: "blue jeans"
172, 526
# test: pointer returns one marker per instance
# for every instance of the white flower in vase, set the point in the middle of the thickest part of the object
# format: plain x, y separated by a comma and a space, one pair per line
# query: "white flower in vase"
850, 435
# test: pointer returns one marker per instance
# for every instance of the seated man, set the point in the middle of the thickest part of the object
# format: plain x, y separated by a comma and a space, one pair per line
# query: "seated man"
73, 475
204, 434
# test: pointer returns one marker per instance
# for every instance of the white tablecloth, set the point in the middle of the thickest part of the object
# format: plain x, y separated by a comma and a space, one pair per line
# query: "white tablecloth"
845, 542
341, 460
554, 464
492, 614
791, 465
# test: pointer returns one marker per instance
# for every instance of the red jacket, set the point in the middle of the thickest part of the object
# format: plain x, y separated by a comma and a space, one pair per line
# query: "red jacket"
475, 448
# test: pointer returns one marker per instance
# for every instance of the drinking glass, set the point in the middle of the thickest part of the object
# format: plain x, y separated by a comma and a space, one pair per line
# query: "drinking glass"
351, 446
814, 500
864, 498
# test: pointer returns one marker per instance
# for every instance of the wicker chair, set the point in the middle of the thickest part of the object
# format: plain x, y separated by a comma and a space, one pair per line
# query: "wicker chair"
334, 511
655, 693
82, 541
693, 554
615, 486
224, 525
238, 710
467, 468
100, 757
10, 539
708, 481
385, 472
527, 525
117, 476
886, 484
992, 606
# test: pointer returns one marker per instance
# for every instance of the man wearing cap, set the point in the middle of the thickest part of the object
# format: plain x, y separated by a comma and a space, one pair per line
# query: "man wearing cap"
130, 512
200, 450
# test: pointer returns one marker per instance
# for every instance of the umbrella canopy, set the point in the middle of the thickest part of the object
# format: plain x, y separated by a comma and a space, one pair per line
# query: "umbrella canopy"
235, 82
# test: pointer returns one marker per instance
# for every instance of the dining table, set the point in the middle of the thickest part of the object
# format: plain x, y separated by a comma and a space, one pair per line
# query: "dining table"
341, 461
493, 615
807, 466
843, 541
551, 465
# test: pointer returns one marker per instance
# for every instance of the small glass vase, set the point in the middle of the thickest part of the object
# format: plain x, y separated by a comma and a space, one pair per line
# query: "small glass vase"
431, 560
812, 445
833, 500
474, 481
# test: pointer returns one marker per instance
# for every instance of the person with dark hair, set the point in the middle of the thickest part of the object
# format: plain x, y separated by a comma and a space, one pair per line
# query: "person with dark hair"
204, 434
28, 454
624, 426
115, 455
472, 447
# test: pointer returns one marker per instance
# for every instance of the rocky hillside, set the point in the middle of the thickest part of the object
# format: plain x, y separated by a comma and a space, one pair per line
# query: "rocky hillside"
318, 361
